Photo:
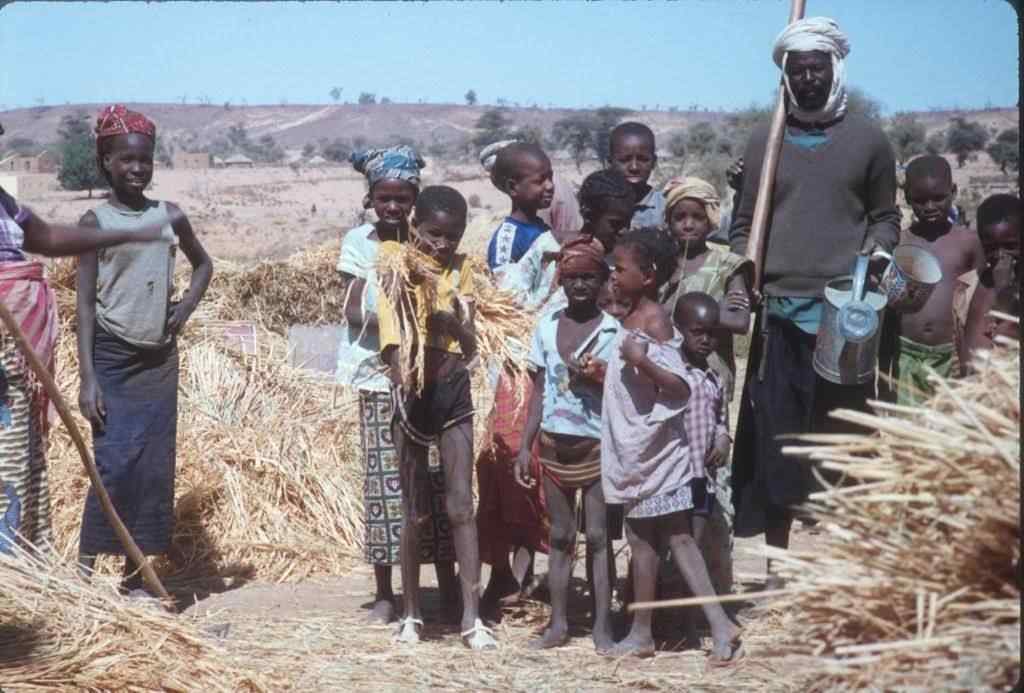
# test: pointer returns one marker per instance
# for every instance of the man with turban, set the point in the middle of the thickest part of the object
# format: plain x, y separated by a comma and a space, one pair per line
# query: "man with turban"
834, 195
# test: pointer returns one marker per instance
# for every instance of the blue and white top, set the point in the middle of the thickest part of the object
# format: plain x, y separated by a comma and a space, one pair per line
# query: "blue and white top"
571, 406
649, 211
359, 363
511, 240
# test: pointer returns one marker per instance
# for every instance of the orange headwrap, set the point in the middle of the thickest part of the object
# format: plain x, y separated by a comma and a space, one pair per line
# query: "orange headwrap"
582, 254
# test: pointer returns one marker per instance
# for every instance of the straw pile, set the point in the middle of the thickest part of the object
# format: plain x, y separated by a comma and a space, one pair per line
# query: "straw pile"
500, 323
917, 583
269, 484
58, 632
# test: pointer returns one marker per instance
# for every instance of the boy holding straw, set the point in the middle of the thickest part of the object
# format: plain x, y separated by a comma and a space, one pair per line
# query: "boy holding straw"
393, 176
427, 338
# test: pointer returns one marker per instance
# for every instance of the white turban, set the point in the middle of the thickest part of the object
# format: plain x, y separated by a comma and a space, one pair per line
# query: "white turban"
489, 154
815, 34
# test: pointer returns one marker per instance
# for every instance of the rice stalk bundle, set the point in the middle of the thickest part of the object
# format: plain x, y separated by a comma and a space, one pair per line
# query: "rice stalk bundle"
60, 632
916, 583
502, 327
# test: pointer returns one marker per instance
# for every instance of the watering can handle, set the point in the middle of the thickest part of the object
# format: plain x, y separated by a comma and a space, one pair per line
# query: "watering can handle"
860, 274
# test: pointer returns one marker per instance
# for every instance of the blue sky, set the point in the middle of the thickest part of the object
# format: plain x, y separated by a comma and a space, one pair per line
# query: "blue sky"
909, 54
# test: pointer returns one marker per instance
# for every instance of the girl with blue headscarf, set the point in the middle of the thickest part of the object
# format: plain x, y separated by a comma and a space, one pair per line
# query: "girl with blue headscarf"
393, 175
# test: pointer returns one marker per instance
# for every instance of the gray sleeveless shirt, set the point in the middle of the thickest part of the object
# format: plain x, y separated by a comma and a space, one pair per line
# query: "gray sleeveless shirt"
135, 281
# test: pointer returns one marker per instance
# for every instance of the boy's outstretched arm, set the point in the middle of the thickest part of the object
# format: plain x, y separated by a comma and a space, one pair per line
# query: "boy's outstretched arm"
60, 240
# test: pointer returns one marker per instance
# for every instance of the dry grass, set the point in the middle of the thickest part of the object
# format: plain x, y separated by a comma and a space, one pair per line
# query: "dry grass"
59, 633
917, 585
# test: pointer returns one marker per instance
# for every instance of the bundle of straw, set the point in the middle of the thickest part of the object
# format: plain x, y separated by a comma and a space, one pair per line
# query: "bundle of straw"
62, 633
917, 583
502, 327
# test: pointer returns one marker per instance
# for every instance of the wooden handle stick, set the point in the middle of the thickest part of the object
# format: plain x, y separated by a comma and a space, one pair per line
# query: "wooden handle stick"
130, 547
759, 222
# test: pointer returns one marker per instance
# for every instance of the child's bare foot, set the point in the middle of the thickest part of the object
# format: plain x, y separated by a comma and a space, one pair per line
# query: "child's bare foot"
551, 637
633, 646
726, 647
383, 611
603, 640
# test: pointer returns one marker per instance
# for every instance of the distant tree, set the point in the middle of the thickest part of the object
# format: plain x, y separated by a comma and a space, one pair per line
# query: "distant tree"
576, 134
677, 144
1005, 150
907, 135
741, 123
470, 97
335, 93
701, 139
936, 143
860, 102
227, 105
501, 102
385, 100
267, 150
309, 150
238, 136
336, 150
162, 152
492, 126
79, 169
529, 133
25, 146
366, 98
964, 137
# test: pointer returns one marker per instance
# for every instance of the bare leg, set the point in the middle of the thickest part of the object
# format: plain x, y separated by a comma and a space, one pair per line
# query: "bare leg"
563, 533
411, 457
457, 457
383, 610
597, 546
447, 586
643, 544
502, 582
522, 566
691, 564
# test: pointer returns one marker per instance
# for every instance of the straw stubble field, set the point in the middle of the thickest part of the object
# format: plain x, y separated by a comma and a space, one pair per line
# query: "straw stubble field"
268, 536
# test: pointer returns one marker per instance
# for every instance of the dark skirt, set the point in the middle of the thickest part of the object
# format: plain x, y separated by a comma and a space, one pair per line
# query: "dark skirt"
135, 454
782, 396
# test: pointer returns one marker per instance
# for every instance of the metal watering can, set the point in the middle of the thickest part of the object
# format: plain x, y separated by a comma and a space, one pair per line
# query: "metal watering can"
846, 351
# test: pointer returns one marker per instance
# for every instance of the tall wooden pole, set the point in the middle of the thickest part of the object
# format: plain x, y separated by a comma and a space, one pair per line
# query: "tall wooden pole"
130, 547
762, 205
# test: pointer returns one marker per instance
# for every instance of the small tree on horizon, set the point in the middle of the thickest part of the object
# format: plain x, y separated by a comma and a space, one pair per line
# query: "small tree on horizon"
576, 134
964, 138
367, 99
1005, 150
79, 169
470, 97
702, 139
493, 125
335, 93
907, 135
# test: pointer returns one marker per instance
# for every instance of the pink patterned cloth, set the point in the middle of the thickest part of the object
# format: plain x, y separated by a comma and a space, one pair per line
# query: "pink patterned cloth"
25, 292
118, 120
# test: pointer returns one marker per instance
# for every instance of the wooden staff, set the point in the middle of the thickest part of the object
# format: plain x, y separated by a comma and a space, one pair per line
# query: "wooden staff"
130, 547
762, 204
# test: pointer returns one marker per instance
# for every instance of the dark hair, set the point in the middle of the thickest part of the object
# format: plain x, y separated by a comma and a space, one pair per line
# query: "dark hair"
630, 128
509, 159
694, 299
997, 208
929, 166
440, 198
602, 186
655, 250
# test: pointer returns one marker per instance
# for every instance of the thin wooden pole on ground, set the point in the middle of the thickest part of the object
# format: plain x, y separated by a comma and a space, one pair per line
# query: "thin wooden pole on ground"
130, 547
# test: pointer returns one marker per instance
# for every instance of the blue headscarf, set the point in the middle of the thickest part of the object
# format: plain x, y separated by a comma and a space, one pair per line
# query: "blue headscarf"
394, 163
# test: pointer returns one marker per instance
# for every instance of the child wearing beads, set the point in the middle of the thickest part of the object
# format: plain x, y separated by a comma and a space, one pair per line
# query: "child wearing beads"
646, 459
393, 176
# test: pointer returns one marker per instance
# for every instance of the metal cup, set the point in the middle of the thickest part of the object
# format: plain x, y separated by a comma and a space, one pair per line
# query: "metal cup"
908, 281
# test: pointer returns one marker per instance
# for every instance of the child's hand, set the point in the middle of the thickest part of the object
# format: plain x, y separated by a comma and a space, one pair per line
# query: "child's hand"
737, 299
592, 368
718, 457
633, 350
522, 470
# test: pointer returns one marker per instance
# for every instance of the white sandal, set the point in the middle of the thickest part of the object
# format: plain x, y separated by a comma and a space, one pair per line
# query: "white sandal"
479, 637
408, 630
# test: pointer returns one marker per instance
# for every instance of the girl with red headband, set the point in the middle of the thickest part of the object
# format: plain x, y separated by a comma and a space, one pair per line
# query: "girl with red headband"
127, 345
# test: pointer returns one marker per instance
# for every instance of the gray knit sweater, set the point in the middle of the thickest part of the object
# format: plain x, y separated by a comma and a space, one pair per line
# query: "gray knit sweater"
827, 203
